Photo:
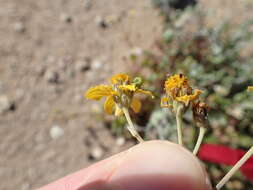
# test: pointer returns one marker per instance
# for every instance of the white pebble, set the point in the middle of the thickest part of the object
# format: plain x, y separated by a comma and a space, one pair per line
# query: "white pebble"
97, 153
56, 132
120, 141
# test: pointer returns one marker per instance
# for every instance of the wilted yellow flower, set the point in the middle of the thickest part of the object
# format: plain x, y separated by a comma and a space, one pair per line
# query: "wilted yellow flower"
178, 89
186, 99
250, 88
120, 93
200, 113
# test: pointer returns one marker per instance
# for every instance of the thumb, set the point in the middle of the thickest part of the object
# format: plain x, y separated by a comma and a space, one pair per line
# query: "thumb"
152, 165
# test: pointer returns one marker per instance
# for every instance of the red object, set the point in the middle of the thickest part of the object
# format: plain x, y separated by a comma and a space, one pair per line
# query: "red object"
224, 155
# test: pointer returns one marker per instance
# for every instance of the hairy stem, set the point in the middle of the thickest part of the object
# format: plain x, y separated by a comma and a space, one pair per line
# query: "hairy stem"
225, 179
131, 127
202, 131
179, 124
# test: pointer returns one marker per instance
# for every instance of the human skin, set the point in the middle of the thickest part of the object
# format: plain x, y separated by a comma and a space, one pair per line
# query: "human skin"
152, 165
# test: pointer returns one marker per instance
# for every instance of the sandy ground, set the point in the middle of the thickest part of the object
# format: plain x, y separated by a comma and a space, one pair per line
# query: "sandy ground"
50, 53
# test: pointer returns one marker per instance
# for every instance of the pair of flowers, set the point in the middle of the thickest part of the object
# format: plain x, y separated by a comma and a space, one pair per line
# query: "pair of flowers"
120, 93
179, 97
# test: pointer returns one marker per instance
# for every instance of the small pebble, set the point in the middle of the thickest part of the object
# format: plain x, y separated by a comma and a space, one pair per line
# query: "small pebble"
96, 153
100, 21
66, 18
96, 64
6, 104
19, 27
136, 51
82, 66
56, 132
87, 4
120, 141
52, 76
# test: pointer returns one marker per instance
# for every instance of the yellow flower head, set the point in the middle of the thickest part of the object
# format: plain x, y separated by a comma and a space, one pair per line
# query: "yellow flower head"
178, 89
176, 81
250, 88
119, 94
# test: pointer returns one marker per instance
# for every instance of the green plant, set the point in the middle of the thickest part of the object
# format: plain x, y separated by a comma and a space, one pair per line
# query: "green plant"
218, 59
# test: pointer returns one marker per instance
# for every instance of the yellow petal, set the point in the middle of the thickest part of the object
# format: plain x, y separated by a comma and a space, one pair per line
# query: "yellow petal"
109, 105
97, 92
250, 88
118, 111
176, 81
187, 98
145, 92
129, 87
136, 105
120, 78
165, 102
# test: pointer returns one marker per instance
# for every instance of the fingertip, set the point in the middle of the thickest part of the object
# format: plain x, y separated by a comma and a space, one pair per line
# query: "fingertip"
152, 165
159, 165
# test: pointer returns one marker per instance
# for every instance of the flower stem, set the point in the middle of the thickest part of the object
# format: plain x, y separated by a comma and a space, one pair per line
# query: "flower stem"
131, 127
202, 131
225, 179
179, 124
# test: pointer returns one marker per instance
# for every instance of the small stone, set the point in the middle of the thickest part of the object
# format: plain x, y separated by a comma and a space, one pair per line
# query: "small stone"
87, 4
66, 18
52, 76
100, 21
96, 153
96, 64
82, 66
120, 141
6, 104
19, 27
136, 51
56, 132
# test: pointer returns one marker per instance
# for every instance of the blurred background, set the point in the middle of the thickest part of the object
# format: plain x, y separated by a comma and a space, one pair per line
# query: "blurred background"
52, 51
